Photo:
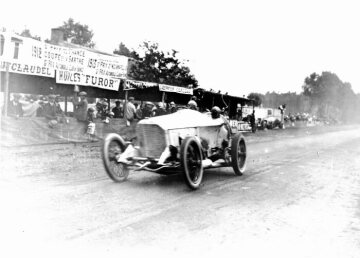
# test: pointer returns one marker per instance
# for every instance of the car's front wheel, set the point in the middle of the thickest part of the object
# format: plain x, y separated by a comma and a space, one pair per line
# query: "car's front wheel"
113, 146
191, 162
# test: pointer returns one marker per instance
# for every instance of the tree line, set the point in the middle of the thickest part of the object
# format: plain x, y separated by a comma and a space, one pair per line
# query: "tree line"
323, 95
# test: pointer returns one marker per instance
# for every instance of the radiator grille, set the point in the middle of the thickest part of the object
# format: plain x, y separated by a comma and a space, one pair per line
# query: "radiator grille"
151, 140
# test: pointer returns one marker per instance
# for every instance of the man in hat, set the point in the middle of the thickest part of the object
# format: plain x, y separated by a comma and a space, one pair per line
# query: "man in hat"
117, 110
192, 105
80, 107
148, 109
172, 108
15, 107
253, 122
130, 111
52, 111
160, 110
102, 109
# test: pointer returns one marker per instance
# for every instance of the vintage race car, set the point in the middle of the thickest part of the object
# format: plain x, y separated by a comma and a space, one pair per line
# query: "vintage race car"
183, 142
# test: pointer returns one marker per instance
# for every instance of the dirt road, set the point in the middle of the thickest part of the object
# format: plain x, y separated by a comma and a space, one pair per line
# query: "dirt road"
300, 197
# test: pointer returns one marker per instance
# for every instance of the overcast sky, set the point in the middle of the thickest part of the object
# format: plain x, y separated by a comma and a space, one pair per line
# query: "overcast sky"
234, 46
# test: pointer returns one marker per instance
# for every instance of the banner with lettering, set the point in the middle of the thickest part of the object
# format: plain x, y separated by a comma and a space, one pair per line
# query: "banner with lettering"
104, 82
73, 65
22, 55
132, 84
181, 90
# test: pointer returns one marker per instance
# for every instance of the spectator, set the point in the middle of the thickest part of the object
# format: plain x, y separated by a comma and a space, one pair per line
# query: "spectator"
117, 110
225, 112
148, 109
130, 111
253, 122
40, 110
80, 107
53, 112
15, 107
160, 110
91, 114
52, 109
172, 108
57, 99
102, 109
91, 123
282, 109
30, 105
239, 113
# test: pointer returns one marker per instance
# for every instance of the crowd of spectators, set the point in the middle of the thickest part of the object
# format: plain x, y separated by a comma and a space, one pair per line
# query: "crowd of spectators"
103, 110
48, 107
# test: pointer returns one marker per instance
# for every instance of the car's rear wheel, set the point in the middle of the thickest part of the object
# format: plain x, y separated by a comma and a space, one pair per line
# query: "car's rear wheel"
191, 162
238, 154
113, 146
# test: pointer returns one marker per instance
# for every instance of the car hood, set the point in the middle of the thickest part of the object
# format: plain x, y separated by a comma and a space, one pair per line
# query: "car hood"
184, 118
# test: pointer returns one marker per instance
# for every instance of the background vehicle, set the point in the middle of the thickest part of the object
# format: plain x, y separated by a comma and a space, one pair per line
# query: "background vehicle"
183, 142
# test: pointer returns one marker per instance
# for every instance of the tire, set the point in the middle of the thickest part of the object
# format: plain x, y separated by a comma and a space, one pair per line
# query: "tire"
238, 154
113, 145
191, 162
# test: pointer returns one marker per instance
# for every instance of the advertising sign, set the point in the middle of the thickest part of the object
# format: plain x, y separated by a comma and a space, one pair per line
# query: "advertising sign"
22, 55
73, 65
181, 90
132, 85
104, 82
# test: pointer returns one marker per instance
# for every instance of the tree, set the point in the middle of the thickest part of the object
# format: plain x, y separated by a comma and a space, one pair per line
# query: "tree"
330, 96
257, 98
157, 66
27, 33
77, 33
124, 51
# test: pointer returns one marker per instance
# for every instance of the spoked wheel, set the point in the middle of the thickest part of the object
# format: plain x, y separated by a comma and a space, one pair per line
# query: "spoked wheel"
191, 162
238, 154
113, 146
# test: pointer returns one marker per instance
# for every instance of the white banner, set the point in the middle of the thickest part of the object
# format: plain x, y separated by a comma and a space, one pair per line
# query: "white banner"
132, 84
104, 82
64, 58
181, 90
22, 55
83, 61
77, 65
103, 65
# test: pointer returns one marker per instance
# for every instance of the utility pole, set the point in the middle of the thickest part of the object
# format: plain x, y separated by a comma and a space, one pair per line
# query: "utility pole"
6, 91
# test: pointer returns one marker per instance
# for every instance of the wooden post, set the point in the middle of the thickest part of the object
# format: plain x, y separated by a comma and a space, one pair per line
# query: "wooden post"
125, 101
6, 92
163, 97
126, 95
66, 103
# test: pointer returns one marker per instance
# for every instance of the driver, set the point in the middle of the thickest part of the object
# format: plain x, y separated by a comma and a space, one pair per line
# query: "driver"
225, 130
192, 105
